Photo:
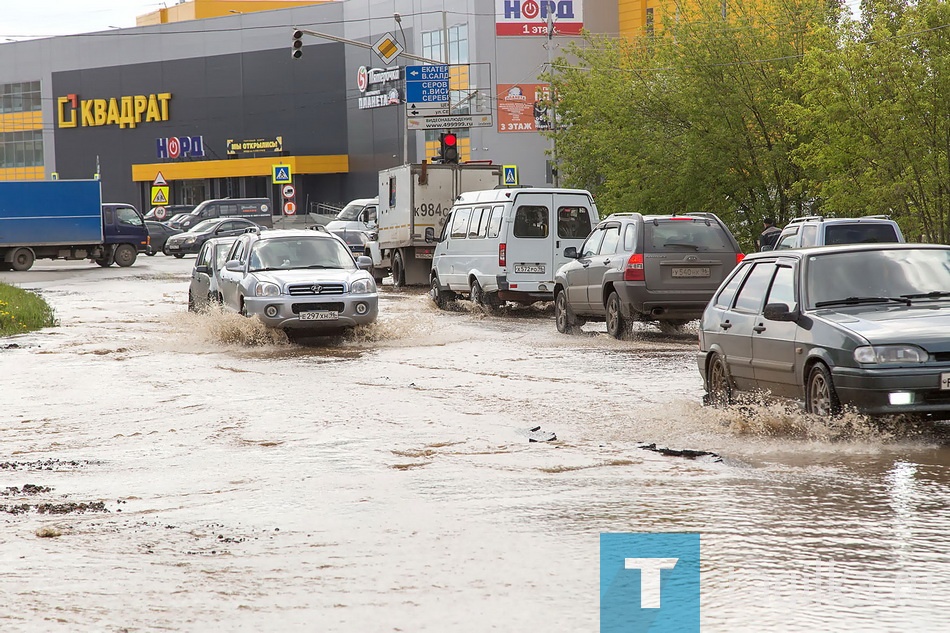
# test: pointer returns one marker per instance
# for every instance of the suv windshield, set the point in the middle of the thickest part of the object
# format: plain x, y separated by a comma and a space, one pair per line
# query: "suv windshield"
684, 235
300, 252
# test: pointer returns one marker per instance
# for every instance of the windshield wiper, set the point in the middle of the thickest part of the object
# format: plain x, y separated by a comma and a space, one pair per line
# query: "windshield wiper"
853, 301
259, 270
936, 294
321, 266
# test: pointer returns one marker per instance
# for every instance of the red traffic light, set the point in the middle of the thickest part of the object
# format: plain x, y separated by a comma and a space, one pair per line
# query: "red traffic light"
450, 140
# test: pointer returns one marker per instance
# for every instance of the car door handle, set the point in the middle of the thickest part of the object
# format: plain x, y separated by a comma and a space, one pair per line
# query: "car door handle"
586, 265
606, 262
725, 325
759, 328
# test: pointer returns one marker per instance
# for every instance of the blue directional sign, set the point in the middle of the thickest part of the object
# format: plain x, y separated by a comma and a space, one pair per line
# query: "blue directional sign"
427, 84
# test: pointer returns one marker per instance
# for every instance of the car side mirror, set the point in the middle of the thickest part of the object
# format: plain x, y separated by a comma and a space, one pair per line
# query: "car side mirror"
780, 312
203, 269
430, 235
364, 262
766, 247
235, 266
570, 252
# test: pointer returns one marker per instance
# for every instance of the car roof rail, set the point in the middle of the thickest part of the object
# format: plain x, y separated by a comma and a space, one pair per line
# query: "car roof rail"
319, 227
880, 216
807, 218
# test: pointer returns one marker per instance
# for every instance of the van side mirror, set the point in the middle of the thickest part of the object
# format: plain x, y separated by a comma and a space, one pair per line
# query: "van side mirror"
766, 247
570, 252
430, 235
203, 269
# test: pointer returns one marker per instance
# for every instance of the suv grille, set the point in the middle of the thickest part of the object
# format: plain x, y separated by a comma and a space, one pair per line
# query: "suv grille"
317, 289
312, 307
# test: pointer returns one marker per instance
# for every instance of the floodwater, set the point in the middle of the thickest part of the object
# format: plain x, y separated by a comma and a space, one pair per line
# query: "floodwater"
168, 471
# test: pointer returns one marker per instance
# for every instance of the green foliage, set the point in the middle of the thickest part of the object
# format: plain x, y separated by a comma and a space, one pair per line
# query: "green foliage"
774, 108
22, 311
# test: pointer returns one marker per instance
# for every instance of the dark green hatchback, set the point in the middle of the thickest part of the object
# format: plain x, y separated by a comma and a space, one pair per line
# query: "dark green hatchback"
861, 326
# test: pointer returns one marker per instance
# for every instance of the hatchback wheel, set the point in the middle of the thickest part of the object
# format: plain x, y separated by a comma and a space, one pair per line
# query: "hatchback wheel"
719, 383
617, 326
820, 395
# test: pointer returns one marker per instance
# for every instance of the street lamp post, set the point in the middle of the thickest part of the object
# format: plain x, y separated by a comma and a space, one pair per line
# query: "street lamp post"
551, 110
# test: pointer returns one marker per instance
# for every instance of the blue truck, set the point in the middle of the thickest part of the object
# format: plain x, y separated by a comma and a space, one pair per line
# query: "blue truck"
66, 219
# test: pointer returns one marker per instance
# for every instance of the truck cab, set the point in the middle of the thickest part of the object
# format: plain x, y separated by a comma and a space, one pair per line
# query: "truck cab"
357, 215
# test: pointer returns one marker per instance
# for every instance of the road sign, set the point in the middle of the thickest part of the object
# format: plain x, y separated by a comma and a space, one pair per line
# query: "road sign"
450, 122
282, 175
288, 191
511, 175
159, 196
427, 84
290, 208
388, 48
160, 212
159, 181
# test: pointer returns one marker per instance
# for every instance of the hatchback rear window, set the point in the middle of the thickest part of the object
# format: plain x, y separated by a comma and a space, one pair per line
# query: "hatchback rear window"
859, 233
685, 235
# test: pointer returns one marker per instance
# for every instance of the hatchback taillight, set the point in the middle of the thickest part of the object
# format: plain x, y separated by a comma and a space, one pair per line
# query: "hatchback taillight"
502, 255
633, 271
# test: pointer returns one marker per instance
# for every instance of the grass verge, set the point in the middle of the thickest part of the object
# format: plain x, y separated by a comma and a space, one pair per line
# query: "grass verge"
22, 311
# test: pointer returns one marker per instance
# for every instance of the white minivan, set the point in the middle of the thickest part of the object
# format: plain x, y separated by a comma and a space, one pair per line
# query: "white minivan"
506, 244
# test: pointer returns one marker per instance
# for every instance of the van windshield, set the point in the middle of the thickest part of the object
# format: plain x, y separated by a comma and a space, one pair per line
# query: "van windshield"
351, 212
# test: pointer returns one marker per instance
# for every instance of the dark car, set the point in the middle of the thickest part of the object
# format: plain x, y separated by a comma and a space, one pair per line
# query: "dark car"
862, 326
176, 220
190, 242
355, 239
634, 267
162, 214
158, 234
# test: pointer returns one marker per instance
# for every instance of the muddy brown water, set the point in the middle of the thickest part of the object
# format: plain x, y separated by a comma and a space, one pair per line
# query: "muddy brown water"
379, 482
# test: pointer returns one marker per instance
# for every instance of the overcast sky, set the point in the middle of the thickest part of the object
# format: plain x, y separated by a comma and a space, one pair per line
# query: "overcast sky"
38, 18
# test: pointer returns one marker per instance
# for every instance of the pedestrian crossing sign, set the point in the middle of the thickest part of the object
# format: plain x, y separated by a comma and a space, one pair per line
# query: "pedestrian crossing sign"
159, 196
510, 175
282, 175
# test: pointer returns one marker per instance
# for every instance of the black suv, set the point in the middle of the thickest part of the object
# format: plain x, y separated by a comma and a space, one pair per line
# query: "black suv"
634, 267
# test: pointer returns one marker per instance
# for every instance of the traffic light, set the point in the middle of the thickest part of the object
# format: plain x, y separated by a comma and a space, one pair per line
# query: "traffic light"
449, 148
296, 46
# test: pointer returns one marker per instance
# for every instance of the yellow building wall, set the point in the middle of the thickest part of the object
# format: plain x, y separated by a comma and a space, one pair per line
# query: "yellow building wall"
23, 173
199, 9
20, 122
633, 15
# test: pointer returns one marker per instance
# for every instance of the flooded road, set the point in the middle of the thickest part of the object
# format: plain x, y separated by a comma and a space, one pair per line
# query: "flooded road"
168, 471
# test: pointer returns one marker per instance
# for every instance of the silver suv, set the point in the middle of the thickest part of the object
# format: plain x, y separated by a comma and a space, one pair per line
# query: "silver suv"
302, 281
817, 230
633, 267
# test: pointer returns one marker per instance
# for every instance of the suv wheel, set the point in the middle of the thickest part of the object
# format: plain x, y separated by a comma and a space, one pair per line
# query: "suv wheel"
563, 318
617, 325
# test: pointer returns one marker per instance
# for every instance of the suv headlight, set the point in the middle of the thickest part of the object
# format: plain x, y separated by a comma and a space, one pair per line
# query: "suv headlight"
363, 286
266, 289
890, 354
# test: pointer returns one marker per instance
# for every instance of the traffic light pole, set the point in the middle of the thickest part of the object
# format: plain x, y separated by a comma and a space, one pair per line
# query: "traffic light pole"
344, 40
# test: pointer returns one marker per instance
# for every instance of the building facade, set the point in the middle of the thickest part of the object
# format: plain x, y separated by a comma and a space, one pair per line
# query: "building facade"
212, 105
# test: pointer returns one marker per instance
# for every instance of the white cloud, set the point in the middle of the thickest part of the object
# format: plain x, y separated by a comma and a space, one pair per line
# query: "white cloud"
41, 18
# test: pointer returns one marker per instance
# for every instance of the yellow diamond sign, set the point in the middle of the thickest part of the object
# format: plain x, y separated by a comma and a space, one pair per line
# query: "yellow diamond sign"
388, 48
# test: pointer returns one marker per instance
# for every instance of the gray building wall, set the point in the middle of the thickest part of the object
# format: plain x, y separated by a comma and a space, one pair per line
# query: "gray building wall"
233, 77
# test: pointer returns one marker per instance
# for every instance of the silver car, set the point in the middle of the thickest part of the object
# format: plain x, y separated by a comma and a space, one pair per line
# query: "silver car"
301, 281
206, 275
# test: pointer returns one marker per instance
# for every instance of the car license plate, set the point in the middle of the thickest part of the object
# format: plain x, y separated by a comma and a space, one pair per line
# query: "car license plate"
423, 255
945, 381
321, 315
690, 272
531, 269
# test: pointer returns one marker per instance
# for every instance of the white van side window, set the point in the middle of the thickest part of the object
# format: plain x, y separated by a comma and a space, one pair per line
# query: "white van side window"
531, 222
494, 223
483, 227
478, 216
573, 223
460, 223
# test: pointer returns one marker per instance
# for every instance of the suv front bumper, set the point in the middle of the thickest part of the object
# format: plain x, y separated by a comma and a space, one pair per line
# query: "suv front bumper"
351, 311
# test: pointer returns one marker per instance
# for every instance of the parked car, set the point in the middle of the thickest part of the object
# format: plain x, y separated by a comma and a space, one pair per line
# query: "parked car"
176, 220
206, 275
864, 326
816, 230
359, 215
158, 234
169, 211
305, 282
190, 241
355, 239
634, 267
